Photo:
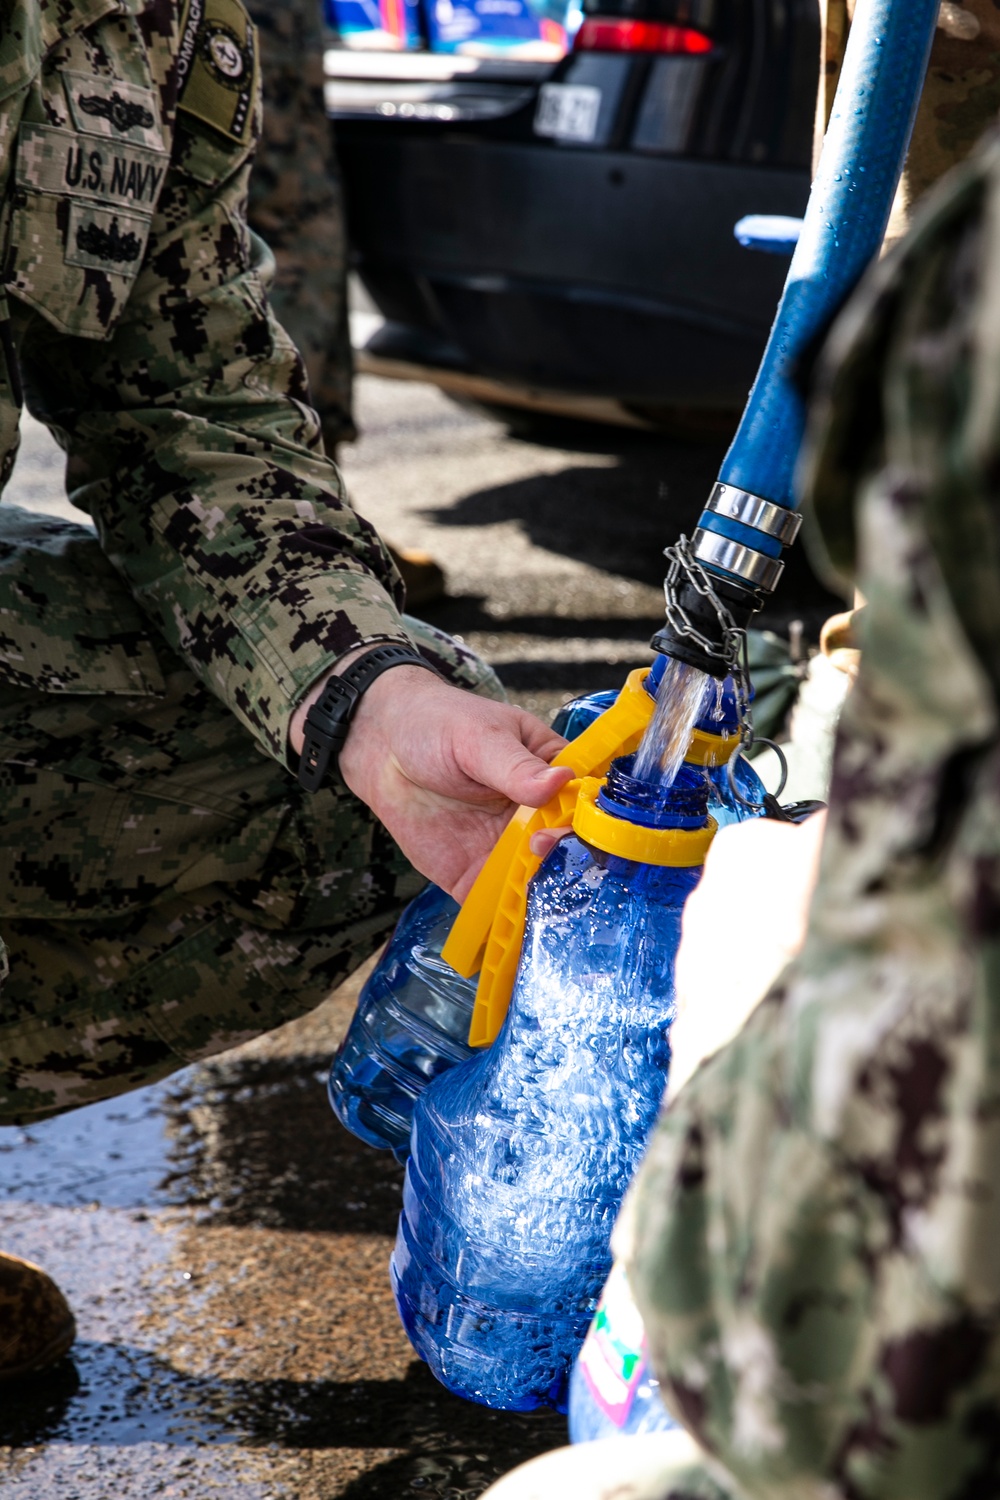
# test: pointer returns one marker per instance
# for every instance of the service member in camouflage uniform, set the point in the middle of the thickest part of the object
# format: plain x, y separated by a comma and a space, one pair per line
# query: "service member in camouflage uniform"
296, 206
166, 888
815, 1228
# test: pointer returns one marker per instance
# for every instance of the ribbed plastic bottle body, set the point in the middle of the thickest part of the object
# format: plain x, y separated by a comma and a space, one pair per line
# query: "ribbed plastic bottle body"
521, 1156
411, 1023
612, 1390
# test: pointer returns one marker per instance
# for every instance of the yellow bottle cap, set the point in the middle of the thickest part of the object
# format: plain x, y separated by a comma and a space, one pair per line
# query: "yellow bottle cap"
682, 847
710, 749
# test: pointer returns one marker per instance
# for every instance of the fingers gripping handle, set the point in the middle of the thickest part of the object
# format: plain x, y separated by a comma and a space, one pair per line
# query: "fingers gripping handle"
488, 931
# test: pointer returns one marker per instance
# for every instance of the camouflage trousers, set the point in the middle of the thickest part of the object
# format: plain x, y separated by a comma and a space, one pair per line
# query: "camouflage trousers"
296, 205
167, 890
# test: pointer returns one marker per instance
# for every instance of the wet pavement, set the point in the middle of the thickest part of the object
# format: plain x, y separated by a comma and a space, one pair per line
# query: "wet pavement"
225, 1247
223, 1242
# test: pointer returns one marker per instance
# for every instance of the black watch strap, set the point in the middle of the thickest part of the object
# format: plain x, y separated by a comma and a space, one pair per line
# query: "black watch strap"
329, 719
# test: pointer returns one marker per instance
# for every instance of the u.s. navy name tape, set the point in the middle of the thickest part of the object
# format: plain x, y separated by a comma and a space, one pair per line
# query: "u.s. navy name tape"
50, 160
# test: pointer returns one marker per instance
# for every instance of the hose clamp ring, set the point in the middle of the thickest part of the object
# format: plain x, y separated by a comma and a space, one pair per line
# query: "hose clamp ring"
776, 521
743, 562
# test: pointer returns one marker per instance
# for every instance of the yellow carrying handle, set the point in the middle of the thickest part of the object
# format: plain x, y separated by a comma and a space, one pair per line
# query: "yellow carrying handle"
616, 732
487, 934
502, 952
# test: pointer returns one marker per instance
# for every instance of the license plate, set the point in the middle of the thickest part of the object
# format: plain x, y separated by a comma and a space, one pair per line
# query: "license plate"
568, 111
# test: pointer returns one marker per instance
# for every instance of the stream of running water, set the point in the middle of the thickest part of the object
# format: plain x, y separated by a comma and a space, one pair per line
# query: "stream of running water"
683, 697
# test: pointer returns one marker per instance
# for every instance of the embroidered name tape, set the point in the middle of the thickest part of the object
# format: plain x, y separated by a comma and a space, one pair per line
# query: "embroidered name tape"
50, 160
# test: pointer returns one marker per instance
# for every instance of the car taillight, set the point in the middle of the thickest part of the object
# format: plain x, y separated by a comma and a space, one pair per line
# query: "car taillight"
600, 35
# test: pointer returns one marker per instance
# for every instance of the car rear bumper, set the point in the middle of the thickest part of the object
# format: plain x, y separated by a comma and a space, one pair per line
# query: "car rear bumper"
606, 273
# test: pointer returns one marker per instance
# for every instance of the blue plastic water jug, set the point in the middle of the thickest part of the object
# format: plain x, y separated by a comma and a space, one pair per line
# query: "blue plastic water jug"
412, 1018
411, 1023
612, 1390
520, 1156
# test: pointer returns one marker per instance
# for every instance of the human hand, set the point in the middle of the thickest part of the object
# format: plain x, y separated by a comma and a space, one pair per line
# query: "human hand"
755, 897
444, 769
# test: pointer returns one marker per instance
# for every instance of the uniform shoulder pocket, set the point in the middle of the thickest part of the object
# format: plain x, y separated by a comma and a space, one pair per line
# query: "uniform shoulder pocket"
89, 164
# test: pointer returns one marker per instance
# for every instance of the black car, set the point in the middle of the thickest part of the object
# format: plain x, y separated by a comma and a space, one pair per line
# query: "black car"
566, 228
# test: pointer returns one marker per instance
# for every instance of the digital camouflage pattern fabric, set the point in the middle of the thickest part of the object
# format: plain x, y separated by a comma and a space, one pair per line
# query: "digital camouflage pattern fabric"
960, 100
816, 1223
296, 205
180, 400
165, 889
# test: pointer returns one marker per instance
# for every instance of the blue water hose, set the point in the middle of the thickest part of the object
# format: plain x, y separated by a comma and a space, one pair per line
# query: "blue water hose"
859, 169
717, 582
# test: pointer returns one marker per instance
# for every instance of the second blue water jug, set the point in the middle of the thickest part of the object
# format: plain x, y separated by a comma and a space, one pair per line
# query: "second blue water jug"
520, 1156
411, 1023
612, 1389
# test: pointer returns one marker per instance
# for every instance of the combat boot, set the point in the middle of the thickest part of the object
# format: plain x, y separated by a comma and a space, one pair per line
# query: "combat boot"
36, 1324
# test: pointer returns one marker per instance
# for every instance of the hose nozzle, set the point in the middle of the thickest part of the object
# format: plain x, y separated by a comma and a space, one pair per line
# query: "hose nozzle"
716, 583
697, 631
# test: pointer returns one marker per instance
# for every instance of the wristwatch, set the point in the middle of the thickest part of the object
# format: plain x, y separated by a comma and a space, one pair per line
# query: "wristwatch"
329, 719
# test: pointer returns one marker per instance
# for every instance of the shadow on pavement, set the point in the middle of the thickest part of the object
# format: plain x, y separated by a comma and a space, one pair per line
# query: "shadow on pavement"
254, 1142
127, 1395
616, 517
119, 1396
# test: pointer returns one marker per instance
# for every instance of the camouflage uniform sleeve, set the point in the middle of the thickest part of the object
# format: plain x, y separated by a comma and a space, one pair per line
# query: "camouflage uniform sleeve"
192, 445
815, 1226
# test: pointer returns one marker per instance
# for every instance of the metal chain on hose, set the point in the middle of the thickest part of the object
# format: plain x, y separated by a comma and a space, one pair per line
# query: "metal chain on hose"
682, 563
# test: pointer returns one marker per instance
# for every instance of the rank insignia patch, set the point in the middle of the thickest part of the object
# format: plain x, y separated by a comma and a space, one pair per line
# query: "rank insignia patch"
220, 80
105, 240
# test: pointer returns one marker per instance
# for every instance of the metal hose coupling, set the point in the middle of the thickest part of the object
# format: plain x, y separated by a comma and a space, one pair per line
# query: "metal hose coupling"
716, 583
743, 535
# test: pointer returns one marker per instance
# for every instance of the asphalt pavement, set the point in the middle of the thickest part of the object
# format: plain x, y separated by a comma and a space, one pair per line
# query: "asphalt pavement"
223, 1242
